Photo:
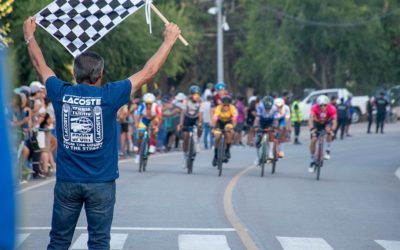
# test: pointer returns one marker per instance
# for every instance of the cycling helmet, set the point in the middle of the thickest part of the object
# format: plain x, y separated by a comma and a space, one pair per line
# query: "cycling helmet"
194, 89
226, 99
219, 86
268, 102
322, 100
149, 98
279, 102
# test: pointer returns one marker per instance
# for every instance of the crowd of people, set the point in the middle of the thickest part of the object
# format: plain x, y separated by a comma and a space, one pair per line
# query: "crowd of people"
170, 116
31, 116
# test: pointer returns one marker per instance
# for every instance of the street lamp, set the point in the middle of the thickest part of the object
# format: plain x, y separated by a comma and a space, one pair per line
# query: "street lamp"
222, 25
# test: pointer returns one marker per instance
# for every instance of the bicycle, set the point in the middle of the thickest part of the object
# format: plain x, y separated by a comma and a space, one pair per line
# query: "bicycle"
221, 152
319, 159
264, 150
191, 155
144, 150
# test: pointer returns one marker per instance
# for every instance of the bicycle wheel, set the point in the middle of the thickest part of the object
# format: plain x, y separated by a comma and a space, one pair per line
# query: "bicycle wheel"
221, 153
143, 154
320, 158
190, 156
275, 159
263, 157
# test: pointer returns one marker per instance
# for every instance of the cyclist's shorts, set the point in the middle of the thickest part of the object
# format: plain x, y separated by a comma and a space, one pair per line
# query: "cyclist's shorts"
223, 125
282, 122
143, 124
189, 123
266, 122
320, 127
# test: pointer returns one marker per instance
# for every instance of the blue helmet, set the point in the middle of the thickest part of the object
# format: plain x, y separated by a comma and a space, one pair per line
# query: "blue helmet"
219, 86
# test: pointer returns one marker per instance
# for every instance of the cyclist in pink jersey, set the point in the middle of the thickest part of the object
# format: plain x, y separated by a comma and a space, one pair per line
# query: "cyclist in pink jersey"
323, 117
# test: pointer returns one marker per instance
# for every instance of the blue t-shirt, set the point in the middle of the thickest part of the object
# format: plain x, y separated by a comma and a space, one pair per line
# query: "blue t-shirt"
86, 128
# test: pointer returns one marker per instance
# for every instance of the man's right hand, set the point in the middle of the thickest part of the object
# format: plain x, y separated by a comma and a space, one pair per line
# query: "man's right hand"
171, 33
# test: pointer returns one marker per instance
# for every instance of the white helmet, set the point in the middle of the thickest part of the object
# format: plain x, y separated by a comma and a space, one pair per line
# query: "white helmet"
279, 102
149, 98
322, 100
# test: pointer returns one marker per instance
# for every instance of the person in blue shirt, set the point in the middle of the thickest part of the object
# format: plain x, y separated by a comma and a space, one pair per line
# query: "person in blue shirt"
87, 155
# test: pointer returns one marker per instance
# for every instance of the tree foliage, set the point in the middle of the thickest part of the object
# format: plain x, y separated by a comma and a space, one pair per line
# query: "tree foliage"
296, 44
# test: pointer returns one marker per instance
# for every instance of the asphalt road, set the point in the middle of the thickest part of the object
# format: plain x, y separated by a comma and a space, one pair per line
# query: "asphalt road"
355, 205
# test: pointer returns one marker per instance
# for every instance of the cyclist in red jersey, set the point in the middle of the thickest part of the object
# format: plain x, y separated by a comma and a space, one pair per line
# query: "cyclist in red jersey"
323, 117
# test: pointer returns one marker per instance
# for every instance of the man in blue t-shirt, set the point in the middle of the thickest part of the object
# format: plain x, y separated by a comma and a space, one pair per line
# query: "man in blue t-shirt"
87, 156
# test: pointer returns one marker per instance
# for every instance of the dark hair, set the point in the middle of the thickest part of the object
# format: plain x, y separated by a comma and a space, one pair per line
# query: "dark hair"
88, 67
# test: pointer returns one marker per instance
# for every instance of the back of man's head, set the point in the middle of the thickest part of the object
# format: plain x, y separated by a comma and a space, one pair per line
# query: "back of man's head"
88, 67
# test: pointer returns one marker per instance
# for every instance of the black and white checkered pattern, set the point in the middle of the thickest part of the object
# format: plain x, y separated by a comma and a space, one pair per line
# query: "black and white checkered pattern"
79, 24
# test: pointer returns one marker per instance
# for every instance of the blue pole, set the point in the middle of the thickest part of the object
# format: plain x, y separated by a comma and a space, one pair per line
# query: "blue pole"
7, 205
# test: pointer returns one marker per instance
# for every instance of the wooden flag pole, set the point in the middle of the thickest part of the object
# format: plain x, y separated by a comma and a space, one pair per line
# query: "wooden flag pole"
165, 20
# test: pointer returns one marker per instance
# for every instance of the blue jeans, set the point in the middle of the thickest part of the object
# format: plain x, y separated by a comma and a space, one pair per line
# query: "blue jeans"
69, 197
208, 132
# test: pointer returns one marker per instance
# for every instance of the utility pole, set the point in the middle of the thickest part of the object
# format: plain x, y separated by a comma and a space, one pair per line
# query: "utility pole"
220, 42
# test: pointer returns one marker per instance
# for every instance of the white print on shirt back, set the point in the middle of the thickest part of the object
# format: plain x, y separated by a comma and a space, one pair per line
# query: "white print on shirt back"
82, 123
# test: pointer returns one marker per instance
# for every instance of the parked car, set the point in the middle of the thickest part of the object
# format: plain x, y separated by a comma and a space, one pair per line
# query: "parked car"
359, 103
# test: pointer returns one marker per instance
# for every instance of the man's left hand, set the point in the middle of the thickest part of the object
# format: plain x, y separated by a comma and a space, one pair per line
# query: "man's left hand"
29, 28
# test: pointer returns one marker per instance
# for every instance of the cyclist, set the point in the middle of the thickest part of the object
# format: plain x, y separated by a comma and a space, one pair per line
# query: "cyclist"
148, 114
220, 88
191, 114
323, 117
283, 117
265, 120
224, 118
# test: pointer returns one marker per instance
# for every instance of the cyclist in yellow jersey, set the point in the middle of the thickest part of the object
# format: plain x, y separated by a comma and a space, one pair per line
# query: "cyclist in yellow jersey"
224, 118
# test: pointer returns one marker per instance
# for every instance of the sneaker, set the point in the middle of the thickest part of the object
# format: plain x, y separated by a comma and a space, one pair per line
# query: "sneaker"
257, 162
214, 162
281, 154
311, 167
152, 149
137, 157
327, 155
228, 154
226, 159
135, 149
198, 148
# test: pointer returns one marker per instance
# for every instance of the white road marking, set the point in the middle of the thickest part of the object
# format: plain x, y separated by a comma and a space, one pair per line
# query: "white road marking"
146, 229
398, 173
389, 244
36, 186
203, 242
117, 241
296, 243
20, 239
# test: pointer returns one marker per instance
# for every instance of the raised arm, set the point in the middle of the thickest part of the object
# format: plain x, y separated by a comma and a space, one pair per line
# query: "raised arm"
154, 64
35, 52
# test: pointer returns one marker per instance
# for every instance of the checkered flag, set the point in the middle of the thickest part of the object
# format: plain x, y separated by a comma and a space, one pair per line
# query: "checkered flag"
79, 24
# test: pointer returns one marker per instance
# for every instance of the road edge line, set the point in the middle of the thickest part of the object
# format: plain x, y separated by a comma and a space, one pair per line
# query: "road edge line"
231, 215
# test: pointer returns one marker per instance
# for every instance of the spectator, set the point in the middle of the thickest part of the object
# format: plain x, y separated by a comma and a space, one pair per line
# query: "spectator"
370, 109
208, 135
208, 91
241, 109
342, 117
381, 105
297, 118
350, 111
251, 115
123, 119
